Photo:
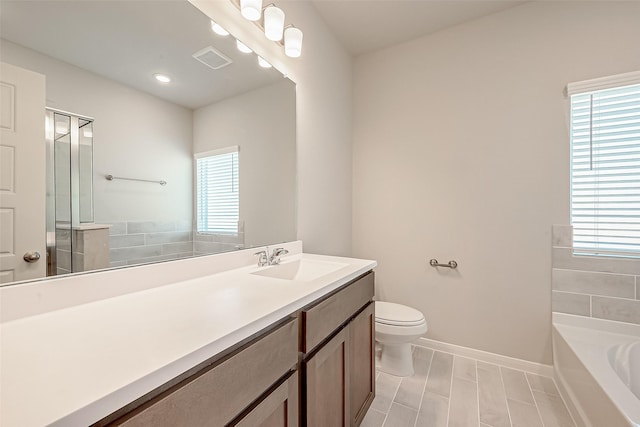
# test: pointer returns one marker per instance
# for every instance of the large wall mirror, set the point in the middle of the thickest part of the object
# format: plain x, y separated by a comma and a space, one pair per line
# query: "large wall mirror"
139, 170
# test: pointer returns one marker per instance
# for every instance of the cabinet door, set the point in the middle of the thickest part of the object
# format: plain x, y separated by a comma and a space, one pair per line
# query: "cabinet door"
361, 364
327, 384
278, 409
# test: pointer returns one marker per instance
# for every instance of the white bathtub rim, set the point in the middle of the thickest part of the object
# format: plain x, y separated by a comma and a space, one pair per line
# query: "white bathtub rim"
590, 340
592, 323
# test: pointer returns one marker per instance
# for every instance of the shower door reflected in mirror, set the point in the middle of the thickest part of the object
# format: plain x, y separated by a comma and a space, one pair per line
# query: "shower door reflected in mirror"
70, 229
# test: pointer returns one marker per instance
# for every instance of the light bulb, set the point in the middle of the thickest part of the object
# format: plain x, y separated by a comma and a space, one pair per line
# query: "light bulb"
243, 47
273, 23
263, 63
292, 42
217, 28
251, 9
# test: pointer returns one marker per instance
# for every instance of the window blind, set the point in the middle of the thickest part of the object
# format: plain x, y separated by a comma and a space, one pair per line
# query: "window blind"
217, 192
605, 171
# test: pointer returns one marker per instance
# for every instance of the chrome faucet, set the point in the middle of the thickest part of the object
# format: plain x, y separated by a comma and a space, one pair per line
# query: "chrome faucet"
274, 259
263, 258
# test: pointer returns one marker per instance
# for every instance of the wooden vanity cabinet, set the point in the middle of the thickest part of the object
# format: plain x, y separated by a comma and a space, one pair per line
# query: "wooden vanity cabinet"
338, 369
216, 394
315, 368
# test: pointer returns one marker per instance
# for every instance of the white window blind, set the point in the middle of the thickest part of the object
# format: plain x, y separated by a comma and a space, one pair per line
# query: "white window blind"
217, 191
605, 168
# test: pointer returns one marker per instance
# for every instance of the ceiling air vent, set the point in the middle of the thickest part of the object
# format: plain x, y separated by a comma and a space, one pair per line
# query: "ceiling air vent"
212, 58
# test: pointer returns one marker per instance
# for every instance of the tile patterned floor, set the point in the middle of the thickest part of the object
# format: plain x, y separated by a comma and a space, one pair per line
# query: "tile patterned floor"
454, 391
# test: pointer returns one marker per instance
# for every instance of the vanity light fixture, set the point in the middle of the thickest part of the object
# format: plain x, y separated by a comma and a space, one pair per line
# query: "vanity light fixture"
217, 28
162, 78
292, 42
263, 63
273, 23
251, 9
243, 47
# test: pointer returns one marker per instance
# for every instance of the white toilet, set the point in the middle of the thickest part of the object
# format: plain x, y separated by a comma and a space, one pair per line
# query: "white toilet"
397, 326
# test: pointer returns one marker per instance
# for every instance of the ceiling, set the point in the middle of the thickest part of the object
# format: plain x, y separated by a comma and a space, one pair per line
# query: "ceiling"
364, 26
122, 41
129, 41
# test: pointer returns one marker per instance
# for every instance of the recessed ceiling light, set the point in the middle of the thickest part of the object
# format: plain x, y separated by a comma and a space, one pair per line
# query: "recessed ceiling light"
162, 78
243, 47
263, 63
217, 28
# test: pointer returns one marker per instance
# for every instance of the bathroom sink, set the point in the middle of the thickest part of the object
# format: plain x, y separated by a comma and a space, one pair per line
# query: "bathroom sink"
302, 270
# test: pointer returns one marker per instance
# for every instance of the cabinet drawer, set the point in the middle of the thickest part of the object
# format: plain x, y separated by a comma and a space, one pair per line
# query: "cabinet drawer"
216, 395
325, 317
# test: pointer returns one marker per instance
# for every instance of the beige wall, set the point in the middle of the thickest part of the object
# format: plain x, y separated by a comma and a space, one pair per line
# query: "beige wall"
262, 123
323, 76
461, 152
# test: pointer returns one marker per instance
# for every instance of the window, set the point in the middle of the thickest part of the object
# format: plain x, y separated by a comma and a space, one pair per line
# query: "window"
217, 191
605, 165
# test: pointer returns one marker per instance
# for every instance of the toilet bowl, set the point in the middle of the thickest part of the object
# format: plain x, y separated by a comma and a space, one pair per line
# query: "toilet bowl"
397, 326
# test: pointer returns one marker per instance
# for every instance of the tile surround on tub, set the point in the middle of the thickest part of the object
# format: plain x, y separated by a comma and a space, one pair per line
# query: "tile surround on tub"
571, 303
126, 240
138, 242
619, 309
169, 237
212, 247
601, 287
593, 283
562, 236
118, 228
565, 259
137, 252
177, 248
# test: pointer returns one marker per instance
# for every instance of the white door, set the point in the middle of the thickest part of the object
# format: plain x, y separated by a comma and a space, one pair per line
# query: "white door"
22, 174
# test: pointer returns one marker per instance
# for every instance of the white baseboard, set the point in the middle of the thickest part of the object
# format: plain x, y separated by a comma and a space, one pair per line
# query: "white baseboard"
485, 356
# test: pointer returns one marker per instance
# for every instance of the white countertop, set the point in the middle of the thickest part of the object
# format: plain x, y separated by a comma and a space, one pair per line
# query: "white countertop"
76, 365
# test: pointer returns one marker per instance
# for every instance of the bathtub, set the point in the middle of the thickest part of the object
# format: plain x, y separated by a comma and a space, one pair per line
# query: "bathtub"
597, 368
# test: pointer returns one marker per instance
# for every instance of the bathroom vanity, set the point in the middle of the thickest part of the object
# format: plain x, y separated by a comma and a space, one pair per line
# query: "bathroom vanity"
261, 382
279, 345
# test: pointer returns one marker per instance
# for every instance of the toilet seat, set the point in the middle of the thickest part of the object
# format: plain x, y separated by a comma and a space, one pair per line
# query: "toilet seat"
388, 313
